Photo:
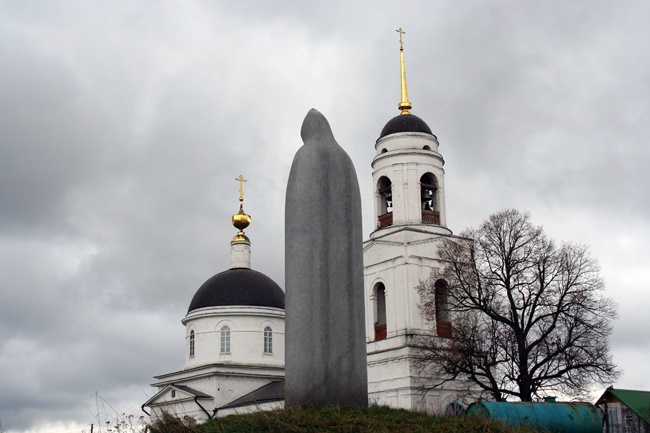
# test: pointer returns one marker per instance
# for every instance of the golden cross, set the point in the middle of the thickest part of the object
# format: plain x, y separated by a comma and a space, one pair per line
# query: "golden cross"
241, 181
401, 32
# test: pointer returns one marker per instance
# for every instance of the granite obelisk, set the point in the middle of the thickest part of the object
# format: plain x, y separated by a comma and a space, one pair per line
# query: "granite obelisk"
325, 362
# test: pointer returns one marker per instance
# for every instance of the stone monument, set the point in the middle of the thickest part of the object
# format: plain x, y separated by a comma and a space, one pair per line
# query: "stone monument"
325, 361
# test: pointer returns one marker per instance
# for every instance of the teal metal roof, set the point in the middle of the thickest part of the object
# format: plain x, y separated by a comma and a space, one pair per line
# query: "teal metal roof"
637, 401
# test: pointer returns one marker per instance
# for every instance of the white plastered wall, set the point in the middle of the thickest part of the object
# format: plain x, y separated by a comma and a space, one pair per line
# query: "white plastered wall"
246, 335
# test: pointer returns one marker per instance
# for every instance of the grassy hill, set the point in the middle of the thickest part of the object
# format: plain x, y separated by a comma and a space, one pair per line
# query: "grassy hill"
336, 419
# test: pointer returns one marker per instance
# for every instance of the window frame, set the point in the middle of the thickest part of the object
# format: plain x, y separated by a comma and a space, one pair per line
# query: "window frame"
268, 340
224, 340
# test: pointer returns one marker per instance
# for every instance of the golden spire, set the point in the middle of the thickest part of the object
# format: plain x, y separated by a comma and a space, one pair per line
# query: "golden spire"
240, 220
405, 105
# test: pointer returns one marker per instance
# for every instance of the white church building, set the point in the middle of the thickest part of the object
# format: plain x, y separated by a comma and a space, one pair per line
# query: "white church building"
234, 341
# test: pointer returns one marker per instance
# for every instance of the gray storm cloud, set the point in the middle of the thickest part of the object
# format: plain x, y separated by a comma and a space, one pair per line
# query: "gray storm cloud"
123, 125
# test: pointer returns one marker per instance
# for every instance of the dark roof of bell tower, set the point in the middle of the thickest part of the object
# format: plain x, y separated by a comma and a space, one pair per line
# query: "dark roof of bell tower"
405, 123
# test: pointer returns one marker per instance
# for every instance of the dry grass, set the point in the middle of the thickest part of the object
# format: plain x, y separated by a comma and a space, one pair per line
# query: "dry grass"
336, 420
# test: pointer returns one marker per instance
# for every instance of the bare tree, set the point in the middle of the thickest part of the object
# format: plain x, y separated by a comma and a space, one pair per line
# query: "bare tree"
529, 317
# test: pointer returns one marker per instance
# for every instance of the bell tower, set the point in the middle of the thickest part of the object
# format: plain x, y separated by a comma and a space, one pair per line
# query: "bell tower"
410, 224
408, 171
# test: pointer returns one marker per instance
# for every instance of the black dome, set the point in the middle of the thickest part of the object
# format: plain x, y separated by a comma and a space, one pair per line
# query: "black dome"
405, 123
240, 286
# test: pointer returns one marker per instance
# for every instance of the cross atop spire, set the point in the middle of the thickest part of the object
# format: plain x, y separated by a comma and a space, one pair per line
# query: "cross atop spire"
404, 105
241, 181
401, 32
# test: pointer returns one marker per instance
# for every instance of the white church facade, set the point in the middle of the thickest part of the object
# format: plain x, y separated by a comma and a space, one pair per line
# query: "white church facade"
235, 323
234, 343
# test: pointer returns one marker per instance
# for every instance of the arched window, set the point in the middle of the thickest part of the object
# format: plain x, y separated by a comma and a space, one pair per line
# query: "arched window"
443, 321
380, 312
454, 409
268, 340
385, 193
225, 340
192, 343
429, 199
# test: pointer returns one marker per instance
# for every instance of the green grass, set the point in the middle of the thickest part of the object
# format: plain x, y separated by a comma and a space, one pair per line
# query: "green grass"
337, 420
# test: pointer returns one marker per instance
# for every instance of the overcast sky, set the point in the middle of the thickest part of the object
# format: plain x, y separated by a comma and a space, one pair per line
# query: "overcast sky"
123, 125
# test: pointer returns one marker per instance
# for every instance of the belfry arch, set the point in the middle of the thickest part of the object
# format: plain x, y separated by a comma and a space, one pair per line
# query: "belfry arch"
385, 202
429, 199
379, 295
443, 316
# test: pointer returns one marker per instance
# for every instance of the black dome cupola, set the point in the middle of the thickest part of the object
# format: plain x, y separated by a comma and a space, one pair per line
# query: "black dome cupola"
405, 123
238, 287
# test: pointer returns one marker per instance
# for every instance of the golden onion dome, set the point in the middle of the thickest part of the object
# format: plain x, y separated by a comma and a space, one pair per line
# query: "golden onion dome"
241, 220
